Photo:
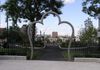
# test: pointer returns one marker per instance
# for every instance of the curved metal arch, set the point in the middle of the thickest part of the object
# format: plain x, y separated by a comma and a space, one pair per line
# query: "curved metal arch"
71, 38
62, 22
29, 31
51, 12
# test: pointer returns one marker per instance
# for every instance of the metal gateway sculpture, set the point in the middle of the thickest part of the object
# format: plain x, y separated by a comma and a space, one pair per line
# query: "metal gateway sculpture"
29, 31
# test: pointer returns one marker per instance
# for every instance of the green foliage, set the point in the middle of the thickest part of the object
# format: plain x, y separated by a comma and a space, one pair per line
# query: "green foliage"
36, 54
12, 10
83, 53
13, 51
88, 34
14, 35
65, 54
39, 43
91, 7
64, 44
30, 9
3, 34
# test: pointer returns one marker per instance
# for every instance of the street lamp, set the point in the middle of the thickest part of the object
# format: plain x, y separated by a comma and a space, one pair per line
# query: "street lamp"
7, 31
99, 28
93, 39
99, 22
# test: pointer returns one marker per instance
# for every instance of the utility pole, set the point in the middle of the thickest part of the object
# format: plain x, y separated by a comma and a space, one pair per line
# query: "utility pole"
7, 31
99, 28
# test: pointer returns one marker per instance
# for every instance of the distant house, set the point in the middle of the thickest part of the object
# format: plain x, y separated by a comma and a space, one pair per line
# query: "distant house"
51, 39
64, 38
54, 34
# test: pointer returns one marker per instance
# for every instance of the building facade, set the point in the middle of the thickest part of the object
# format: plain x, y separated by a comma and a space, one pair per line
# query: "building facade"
54, 34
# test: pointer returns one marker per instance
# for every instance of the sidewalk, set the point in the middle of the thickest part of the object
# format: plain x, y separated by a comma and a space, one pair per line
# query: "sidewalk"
52, 53
47, 65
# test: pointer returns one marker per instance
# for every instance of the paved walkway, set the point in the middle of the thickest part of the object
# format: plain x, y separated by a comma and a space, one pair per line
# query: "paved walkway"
47, 65
52, 53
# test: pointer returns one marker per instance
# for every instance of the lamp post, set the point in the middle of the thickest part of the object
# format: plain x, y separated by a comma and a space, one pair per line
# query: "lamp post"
99, 28
44, 38
98, 22
7, 31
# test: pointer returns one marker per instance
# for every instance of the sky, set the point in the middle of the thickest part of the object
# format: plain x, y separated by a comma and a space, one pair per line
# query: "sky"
71, 12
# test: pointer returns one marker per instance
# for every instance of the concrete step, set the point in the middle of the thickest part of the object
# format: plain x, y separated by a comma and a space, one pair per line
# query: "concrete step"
87, 59
8, 57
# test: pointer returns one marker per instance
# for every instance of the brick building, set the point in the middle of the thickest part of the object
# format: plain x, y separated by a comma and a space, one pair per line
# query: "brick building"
54, 34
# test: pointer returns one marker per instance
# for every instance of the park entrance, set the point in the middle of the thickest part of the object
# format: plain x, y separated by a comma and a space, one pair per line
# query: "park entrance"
52, 50
30, 30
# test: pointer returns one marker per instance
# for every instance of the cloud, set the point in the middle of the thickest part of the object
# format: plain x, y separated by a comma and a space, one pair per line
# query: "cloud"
68, 1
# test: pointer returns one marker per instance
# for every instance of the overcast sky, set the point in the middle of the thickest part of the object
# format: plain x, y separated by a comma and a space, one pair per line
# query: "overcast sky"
71, 12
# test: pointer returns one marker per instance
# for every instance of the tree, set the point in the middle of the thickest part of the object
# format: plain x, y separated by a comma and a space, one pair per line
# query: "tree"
88, 33
12, 11
31, 10
14, 35
91, 7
